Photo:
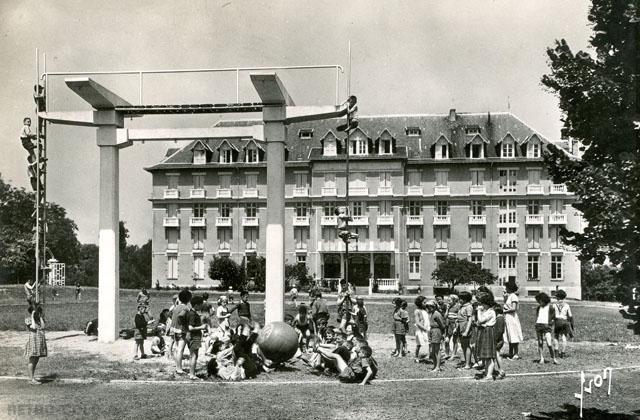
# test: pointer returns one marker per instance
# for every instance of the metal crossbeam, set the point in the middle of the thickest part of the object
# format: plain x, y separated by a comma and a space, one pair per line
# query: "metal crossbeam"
190, 108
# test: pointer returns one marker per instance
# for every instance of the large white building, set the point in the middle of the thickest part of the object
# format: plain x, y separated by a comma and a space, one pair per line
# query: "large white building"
421, 187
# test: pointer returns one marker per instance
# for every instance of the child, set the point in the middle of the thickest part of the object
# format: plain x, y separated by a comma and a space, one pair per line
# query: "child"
179, 327
361, 369
437, 327
400, 317
564, 322
406, 328
223, 315
194, 335
465, 327
345, 303
140, 333
498, 330
513, 329
27, 138
486, 345
78, 292
421, 317
244, 310
545, 319
302, 324
451, 346
361, 317
319, 311
157, 343
36, 347
294, 295
143, 297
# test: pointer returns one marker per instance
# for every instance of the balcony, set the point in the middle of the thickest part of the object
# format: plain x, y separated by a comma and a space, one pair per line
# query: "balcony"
441, 190
508, 246
440, 220
250, 249
414, 276
387, 285
414, 247
414, 190
224, 192
507, 189
171, 221
558, 189
197, 222
197, 251
331, 246
415, 221
223, 222
359, 221
171, 193
224, 249
535, 189
385, 190
476, 246
557, 219
249, 221
477, 190
300, 220
385, 220
329, 191
250, 193
300, 191
197, 193
534, 219
384, 246
329, 221
477, 220
442, 248
359, 191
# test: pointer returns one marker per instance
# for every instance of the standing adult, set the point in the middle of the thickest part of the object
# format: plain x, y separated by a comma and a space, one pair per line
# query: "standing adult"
37, 344
513, 330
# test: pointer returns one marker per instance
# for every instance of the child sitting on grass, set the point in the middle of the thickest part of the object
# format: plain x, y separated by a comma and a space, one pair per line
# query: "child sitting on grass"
545, 319
564, 323
157, 343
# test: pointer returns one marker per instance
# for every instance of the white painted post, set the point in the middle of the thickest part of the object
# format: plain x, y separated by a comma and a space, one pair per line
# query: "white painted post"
275, 134
109, 256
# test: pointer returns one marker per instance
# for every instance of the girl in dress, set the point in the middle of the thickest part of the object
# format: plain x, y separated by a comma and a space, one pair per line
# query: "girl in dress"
400, 318
513, 330
486, 335
437, 327
37, 345
421, 317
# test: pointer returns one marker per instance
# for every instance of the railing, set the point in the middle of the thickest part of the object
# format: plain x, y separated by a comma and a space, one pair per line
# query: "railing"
250, 193
535, 189
223, 221
558, 189
478, 219
441, 190
508, 245
414, 276
171, 221
329, 191
507, 189
442, 219
386, 285
300, 191
197, 222
414, 220
359, 191
197, 193
359, 221
385, 190
557, 219
336, 246
330, 283
300, 220
414, 190
385, 220
477, 190
224, 192
534, 219
224, 249
329, 220
442, 247
171, 193
476, 245
249, 221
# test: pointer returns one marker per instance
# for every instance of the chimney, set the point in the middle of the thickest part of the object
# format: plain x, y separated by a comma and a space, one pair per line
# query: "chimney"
452, 115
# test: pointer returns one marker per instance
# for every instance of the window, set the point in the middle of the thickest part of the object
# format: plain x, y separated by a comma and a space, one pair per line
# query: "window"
533, 263
477, 208
414, 178
357, 180
554, 237
301, 179
533, 207
414, 264
556, 206
330, 180
305, 134
442, 149
198, 267
198, 181
385, 179
199, 156
476, 234
329, 235
386, 146
507, 237
251, 210
441, 234
442, 208
385, 208
507, 262
477, 177
301, 236
413, 131
415, 209
533, 236
359, 146
508, 178
252, 181
226, 155
533, 147
225, 237
198, 210
172, 238
300, 209
329, 208
556, 267
477, 260
225, 181
534, 176
362, 232
251, 155
507, 148
442, 177
198, 238
414, 237
385, 234
476, 149
172, 181
507, 212
330, 148
357, 208
472, 130
172, 210
225, 210
439, 260
251, 238
301, 259
172, 267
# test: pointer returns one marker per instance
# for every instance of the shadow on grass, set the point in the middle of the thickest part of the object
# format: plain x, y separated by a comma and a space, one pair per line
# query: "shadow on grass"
49, 378
571, 411
65, 336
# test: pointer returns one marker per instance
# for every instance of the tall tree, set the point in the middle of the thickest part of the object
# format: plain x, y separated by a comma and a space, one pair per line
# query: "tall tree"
454, 271
135, 262
599, 94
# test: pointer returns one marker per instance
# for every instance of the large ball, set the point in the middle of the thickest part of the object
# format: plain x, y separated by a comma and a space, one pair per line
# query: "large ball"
278, 341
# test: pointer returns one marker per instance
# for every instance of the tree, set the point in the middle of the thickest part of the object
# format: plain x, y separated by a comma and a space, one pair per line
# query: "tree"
227, 271
598, 93
135, 262
254, 272
454, 271
599, 282
297, 274
85, 272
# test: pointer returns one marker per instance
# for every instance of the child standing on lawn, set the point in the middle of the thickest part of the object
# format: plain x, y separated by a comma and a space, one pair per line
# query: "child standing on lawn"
436, 333
421, 319
513, 330
361, 317
140, 333
400, 318
465, 327
486, 335
37, 345
545, 319
451, 346
179, 327
406, 329
302, 324
499, 337
564, 323
194, 334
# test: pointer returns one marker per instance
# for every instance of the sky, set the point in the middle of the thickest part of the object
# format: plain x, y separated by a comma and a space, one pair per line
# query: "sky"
408, 57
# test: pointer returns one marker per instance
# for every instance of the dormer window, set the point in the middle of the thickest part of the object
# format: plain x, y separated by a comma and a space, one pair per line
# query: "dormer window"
252, 156
305, 134
533, 147
386, 146
472, 130
475, 146
507, 149
226, 155
329, 144
199, 157
359, 146
413, 131
442, 148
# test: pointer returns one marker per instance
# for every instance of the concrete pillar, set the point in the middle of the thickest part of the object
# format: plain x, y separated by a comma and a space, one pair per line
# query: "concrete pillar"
109, 267
275, 134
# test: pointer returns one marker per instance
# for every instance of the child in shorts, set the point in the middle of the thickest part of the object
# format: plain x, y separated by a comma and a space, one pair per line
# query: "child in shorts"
400, 319
545, 319
564, 323
361, 317
303, 326
179, 327
194, 334
465, 327
361, 369
498, 330
140, 332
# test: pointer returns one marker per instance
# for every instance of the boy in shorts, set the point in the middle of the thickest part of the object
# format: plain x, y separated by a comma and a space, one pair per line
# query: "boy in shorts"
179, 327
361, 370
194, 336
